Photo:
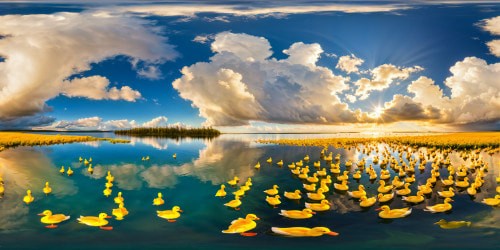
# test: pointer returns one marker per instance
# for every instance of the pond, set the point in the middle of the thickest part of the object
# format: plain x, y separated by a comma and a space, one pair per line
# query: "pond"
191, 180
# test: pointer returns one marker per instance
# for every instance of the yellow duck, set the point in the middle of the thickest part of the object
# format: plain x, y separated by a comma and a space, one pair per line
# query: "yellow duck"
280, 163
240, 191
305, 213
295, 195
463, 184
120, 212
90, 169
109, 177
415, 198
322, 172
472, 189
426, 188
317, 164
449, 181
344, 176
69, 172
317, 196
385, 197
174, 156
388, 213
86, 162
236, 203
257, 166
359, 193
404, 191
303, 231
439, 208
335, 169
80, 159
62, 171
309, 187
272, 191
495, 201
234, 181
170, 215
269, 160
242, 225
47, 189
357, 175
52, 219
94, 221
273, 201
328, 179
383, 188
158, 201
410, 179
221, 192
296, 171
245, 187
452, 224
447, 194
2, 190
119, 199
367, 202
324, 186
28, 198
299, 163
397, 183
291, 166
249, 182
341, 187
107, 192
313, 179
324, 205
306, 158
108, 184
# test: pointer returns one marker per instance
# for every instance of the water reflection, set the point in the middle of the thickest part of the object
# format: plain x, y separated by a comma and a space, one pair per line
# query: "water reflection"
22, 169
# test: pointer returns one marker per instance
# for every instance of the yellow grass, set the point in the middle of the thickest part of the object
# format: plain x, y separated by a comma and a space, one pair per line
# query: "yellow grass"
13, 139
454, 140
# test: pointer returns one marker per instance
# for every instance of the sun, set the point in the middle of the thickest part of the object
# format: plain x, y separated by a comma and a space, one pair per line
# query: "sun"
377, 112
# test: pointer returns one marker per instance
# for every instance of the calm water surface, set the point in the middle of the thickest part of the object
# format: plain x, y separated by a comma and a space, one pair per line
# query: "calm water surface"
191, 180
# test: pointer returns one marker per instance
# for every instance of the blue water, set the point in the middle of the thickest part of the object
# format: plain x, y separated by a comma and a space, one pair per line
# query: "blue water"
191, 180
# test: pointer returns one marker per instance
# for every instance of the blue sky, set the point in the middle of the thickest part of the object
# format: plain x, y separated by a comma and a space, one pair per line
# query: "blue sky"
399, 43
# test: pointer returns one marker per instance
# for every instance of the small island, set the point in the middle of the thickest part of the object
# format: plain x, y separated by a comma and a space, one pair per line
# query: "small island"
171, 132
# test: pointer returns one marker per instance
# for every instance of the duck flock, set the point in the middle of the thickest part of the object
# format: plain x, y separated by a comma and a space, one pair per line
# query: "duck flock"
394, 175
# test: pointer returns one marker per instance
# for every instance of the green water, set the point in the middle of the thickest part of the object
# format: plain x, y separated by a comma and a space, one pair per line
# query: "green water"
191, 180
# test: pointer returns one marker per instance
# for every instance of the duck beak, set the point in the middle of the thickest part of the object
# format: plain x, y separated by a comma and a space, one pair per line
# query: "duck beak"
181, 211
313, 212
109, 217
333, 233
378, 209
41, 214
257, 218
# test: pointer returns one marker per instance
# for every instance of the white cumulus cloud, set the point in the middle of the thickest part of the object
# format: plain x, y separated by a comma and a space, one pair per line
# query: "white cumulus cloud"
492, 25
97, 123
349, 63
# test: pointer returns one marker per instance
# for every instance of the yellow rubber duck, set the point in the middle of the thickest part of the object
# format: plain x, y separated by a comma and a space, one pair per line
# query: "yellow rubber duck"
317, 196
306, 158
234, 181
317, 164
90, 160
324, 205
452, 224
174, 156
463, 184
324, 186
280, 163
335, 169
94, 221
109, 177
80, 159
439, 208
313, 179
341, 187
305, 213
447, 194
69, 172
295, 195
426, 188
108, 184
385, 175
52, 219
357, 175
291, 166
296, 171
344, 176
472, 189
62, 171
328, 179
303, 231
28, 198
388, 213
269, 160
449, 181
90, 170
249, 182
257, 166
158, 201
242, 225
322, 172
397, 183
272, 191
359, 193
239, 192
383, 188
236, 203
221, 192
107, 192
385, 197
367, 202
2, 190
410, 179
47, 189
495, 201
273, 201
119, 199
86, 162
303, 175
245, 187
415, 198
299, 163
404, 191
309, 187
170, 215
120, 212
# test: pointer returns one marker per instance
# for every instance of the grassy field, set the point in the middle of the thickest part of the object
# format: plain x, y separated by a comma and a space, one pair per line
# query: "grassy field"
14, 139
468, 140
171, 132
